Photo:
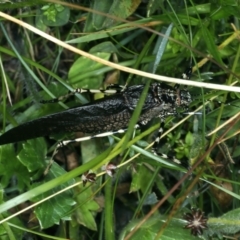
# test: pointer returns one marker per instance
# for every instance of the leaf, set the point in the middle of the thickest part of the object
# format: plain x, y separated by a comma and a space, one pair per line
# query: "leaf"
86, 73
86, 207
97, 19
107, 47
90, 149
228, 223
10, 166
116, 8
55, 15
121, 9
33, 154
160, 47
141, 179
189, 139
59, 207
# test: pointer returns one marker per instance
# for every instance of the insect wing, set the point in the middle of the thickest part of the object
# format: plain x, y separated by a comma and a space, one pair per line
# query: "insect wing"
89, 118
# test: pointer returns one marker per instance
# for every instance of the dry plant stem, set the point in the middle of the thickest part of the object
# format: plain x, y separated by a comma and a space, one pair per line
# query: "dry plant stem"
175, 187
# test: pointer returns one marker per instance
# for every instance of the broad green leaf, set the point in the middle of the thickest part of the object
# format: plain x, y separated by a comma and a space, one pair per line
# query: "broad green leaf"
121, 9
107, 47
10, 166
55, 15
86, 207
97, 19
63, 203
228, 223
116, 8
90, 149
189, 138
141, 179
84, 73
33, 154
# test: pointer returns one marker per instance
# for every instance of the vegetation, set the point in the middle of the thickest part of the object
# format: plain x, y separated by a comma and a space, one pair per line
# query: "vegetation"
49, 48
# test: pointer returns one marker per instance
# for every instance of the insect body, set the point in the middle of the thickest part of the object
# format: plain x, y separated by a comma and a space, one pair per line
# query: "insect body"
105, 116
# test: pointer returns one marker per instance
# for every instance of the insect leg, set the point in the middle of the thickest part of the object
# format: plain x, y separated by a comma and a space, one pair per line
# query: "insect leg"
157, 140
111, 89
117, 87
95, 136
156, 144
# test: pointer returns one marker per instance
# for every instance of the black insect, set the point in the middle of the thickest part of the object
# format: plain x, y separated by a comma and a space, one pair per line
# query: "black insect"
106, 116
